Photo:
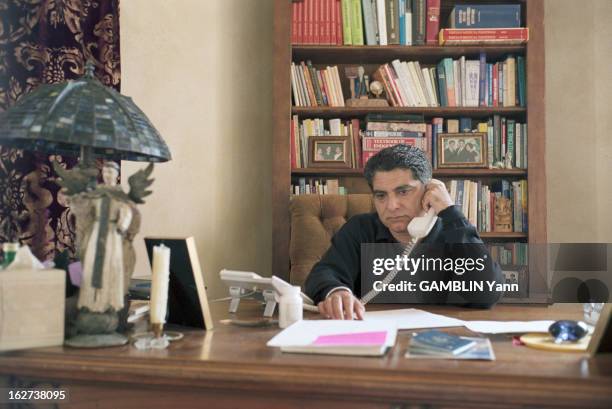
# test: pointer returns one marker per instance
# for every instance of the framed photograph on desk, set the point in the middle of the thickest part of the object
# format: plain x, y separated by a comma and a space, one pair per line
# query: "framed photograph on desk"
187, 300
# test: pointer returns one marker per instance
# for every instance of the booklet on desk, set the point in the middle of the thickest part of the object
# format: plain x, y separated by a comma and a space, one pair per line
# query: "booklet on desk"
482, 350
337, 337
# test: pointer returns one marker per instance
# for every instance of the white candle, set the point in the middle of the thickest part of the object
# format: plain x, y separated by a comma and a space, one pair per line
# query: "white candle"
159, 284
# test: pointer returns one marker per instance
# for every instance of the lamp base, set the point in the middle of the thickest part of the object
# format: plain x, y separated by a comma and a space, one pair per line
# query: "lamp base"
96, 341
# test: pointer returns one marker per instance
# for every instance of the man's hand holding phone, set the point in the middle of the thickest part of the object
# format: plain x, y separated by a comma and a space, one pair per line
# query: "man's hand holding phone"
342, 305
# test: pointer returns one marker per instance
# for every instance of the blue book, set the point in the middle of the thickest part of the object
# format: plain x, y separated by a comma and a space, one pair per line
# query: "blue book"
439, 342
402, 22
485, 16
521, 81
442, 84
465, 124
482, 98
490, 84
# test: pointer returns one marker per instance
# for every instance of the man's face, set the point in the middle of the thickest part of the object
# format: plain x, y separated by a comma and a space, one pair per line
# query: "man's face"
397, 198
451, 145
461, 144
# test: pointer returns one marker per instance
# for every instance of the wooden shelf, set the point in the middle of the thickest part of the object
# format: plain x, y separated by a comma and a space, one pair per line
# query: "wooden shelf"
436, 172
371, 57
428, 112
383, 54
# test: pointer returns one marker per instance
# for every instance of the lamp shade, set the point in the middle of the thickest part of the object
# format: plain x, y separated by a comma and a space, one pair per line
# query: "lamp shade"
63, 118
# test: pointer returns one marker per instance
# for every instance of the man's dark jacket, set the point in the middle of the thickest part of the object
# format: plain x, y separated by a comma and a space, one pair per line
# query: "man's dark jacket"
451, 237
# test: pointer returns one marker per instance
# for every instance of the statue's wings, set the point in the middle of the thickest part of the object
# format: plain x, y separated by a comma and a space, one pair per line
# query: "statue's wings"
139, 182
76, 180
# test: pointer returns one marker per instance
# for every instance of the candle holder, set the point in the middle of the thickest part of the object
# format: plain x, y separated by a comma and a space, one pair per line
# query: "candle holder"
158, 329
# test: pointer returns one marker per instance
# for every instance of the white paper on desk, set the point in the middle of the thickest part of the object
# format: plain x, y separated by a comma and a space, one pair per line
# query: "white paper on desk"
412, 318
305, 332
507, 327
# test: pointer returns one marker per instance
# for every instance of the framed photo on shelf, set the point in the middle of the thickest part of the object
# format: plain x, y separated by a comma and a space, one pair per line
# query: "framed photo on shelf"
329, 152
516, 274
462, 150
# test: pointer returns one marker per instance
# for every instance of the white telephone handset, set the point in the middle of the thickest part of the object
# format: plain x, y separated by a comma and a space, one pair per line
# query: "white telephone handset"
418, 228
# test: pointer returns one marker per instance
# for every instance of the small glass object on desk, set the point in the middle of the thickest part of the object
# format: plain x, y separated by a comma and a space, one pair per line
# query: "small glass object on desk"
592, 310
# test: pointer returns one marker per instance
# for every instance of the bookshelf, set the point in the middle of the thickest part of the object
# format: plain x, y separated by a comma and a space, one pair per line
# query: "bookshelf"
371, 56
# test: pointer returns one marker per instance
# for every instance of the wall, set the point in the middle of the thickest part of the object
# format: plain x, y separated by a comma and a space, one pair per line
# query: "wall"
578, 120
201, 71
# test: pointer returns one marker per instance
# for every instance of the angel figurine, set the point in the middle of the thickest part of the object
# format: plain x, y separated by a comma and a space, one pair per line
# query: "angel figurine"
106, 222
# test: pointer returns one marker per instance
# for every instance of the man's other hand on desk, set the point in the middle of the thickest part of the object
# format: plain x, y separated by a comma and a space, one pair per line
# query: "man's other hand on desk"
341, 305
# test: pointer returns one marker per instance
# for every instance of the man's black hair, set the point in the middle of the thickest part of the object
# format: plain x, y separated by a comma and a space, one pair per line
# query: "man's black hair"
399, 157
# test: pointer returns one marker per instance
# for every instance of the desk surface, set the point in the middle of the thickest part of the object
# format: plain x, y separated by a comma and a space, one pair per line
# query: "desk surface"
230, 359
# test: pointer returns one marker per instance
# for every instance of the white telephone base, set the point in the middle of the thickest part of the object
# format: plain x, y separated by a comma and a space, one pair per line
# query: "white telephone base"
241, 283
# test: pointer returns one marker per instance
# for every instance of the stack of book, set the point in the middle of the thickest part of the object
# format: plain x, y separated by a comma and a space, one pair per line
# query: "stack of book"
301, 131
385, 130
510, 253
455, 83
312, 87
484, 24
365, 22
404, 22
314, 186
478, 202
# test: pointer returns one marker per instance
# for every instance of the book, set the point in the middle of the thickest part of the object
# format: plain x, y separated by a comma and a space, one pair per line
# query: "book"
395, 126
335, 337
418, 22
394, 117
408, 22
401, 11
356, 23
478, 36
392, 17
372, 145
432, 25
438, 342
369, 21
382, 21
347, 25
482, 350
485, 16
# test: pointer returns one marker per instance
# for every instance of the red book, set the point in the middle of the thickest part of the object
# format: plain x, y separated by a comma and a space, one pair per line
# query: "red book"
464, 36
294, 27
357, 143
316, 22
393, 81
339, 38
372, 145
309, 6
300, 22
332, 22
433, 22
428, 131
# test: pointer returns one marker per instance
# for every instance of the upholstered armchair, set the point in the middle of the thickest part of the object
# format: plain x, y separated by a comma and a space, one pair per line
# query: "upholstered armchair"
314, 220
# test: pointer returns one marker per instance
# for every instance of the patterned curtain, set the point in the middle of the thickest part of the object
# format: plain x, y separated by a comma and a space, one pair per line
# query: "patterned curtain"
47, 41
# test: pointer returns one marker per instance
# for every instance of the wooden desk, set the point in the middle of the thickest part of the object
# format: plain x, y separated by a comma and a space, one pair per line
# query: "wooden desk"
231, 367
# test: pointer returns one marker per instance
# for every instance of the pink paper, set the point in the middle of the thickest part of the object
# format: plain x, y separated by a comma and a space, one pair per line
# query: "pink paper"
354, 338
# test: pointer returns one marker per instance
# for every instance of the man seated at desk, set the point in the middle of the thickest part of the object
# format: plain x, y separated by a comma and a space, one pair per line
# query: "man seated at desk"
401, 181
